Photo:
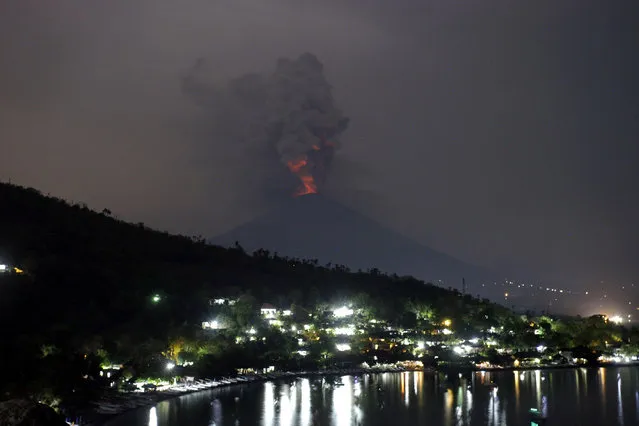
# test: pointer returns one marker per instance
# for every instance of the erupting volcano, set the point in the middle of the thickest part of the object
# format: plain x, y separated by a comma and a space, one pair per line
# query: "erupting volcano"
311, 167
291, 111
300, 168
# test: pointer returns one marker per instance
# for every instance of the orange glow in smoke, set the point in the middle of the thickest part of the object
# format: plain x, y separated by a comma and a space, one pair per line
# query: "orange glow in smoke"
298, 167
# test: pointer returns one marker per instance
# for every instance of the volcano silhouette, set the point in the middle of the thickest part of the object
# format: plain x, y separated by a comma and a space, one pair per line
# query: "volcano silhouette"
316, 227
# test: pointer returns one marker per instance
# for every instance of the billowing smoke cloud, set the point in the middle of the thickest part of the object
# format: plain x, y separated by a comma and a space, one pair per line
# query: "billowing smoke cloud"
291, 111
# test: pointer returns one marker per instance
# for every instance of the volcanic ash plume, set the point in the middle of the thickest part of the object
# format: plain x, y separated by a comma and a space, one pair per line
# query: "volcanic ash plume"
291, 111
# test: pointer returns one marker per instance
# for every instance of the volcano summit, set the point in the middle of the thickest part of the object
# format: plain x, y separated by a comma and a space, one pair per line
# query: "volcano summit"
316, 227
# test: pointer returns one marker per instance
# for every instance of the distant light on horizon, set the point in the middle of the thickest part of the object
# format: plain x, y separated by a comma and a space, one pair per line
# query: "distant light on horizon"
616, 319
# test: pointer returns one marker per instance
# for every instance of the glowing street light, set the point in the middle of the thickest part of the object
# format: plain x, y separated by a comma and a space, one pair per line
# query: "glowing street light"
447, 323
342, 312
345, 331
156, 298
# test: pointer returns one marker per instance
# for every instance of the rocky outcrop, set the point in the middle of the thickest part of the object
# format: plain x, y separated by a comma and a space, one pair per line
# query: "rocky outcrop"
22, 412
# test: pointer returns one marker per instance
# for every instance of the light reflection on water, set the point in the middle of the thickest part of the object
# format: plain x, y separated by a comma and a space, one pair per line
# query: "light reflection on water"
305, 407
482, 398
342, 402
269, 404
619, 401
153, 417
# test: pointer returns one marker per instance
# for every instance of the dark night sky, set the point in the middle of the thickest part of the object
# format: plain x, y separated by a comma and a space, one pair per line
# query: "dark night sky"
502, 132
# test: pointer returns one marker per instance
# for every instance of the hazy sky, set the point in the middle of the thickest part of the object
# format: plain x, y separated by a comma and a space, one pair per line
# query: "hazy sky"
502, 132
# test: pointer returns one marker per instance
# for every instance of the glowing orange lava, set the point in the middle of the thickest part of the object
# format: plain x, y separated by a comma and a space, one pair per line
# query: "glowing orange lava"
299, 168
308, 186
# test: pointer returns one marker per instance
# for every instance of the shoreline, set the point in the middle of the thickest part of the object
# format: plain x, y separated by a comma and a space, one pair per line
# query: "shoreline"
556, 367
131, 401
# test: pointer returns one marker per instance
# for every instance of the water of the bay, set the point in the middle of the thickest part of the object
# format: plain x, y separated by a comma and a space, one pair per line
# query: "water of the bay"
579, 397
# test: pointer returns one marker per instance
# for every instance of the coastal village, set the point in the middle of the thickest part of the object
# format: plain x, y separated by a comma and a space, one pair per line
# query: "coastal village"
348, 336
345, 340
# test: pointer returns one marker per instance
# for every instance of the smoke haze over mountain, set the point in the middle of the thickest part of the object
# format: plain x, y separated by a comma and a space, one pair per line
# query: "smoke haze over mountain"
290, 111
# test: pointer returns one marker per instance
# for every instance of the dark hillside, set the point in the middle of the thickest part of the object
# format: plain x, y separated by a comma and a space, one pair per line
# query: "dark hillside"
92, 284
87, 258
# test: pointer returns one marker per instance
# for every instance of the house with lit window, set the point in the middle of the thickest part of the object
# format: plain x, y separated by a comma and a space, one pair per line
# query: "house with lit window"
268, 311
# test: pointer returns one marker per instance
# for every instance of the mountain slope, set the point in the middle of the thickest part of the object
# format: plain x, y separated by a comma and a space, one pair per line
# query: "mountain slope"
316, 227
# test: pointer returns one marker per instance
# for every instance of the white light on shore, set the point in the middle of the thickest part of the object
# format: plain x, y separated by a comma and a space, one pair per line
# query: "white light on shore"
343, 347
170, 366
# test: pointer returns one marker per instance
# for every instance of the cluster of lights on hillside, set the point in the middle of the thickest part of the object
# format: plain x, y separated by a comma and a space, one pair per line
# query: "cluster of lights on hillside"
350, 327
347, 325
